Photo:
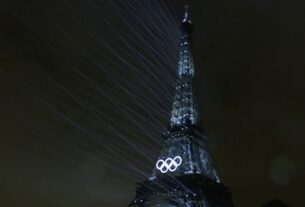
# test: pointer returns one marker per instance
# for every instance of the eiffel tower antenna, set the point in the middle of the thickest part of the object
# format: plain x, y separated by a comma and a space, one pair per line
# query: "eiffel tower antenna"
186, 11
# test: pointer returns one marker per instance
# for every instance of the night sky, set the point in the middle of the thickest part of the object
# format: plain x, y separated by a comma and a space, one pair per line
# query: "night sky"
86, 89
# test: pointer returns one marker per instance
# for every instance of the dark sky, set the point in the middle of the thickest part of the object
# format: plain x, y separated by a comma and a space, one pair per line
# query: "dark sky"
86, 90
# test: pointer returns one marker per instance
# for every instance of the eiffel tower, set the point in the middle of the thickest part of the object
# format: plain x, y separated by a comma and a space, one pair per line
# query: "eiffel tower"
184, 174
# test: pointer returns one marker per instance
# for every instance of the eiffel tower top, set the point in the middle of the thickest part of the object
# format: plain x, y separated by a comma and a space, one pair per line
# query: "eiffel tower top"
186, 13
185, 109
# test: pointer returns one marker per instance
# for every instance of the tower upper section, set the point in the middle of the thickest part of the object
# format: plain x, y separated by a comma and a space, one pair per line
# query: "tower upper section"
185, 108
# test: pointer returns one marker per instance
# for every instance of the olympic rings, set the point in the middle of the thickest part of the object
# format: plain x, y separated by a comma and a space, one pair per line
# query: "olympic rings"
169, 164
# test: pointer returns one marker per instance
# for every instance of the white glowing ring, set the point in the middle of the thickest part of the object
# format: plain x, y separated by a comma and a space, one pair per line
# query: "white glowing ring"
169, 164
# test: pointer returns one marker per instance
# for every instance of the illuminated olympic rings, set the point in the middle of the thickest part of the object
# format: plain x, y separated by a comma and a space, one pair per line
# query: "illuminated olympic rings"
169, 164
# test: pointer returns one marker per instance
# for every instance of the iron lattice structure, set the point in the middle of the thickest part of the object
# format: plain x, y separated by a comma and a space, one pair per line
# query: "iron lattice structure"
184, 174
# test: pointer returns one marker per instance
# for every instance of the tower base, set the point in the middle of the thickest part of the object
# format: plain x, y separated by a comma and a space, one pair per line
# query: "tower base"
184, 191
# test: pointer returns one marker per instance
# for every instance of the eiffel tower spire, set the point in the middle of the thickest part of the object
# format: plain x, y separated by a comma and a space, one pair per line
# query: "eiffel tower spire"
185, 108
186, 12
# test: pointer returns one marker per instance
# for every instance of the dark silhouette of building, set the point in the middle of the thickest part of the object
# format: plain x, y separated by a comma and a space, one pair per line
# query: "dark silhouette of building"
184, 174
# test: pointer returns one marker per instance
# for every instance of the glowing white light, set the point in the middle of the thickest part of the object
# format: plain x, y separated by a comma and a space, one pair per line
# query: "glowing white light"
169, 164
